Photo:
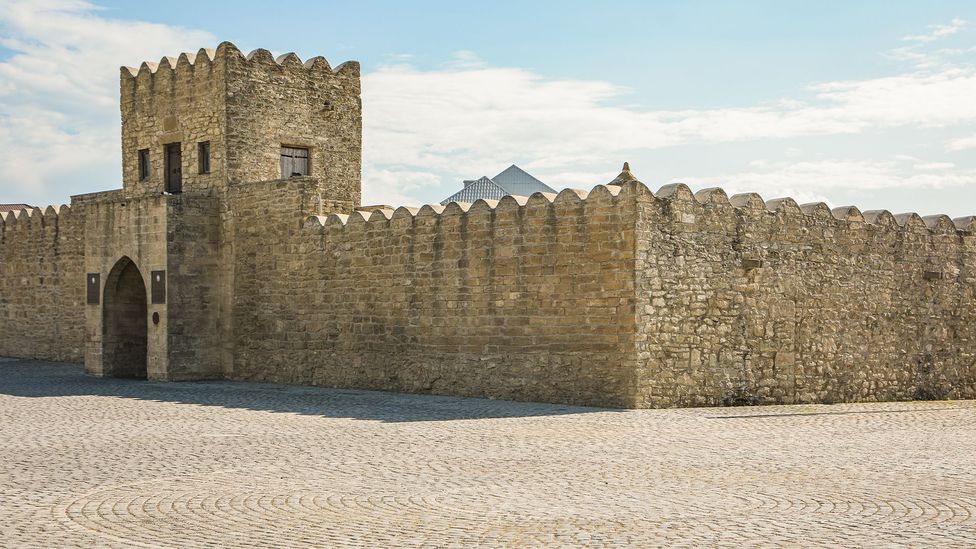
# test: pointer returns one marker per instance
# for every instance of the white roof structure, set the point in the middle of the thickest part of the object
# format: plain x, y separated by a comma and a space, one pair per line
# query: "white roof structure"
511, 181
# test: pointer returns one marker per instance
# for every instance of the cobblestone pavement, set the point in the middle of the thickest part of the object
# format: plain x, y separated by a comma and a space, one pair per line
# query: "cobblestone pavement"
120, 463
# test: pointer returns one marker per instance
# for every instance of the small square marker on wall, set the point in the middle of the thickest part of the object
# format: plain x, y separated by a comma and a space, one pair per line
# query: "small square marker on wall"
157, 285
94, 287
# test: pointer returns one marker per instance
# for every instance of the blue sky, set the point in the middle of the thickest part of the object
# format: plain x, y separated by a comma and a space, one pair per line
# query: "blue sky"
865, 103
673, 54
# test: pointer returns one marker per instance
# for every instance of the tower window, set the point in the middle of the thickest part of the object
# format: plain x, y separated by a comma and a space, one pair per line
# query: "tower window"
203, 152
174, 168
143, 164
294, 162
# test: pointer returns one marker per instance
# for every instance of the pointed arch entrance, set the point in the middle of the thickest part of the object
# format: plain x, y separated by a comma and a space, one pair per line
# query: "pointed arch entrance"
125, 328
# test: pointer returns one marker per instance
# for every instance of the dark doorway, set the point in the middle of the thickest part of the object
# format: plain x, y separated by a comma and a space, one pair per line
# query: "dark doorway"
125, 326
174, 168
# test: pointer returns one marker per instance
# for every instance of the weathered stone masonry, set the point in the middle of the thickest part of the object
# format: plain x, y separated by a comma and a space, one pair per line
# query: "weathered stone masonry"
530, 299
617, 296
42, 288
742, 301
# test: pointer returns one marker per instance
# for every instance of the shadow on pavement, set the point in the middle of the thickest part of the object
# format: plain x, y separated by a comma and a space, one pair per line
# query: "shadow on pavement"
29, 378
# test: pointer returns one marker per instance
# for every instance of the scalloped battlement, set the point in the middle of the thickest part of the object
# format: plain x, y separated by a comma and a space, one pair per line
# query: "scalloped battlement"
753, 202
205, 58
569, 197
747, 203
34, 218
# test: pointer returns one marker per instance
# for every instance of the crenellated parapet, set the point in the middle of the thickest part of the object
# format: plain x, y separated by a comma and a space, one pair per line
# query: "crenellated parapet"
316, 66
40, 235
747, 205
152, 79
509, 207
207, 64
31, 223
754, 205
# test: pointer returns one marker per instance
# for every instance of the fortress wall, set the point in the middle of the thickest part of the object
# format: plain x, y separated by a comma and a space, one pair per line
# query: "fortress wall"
176, 100
42, 285
193, 290
753, 302
275, 102
531, 299
260, 226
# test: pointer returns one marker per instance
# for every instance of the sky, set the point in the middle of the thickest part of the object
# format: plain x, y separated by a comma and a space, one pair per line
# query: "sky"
866, 103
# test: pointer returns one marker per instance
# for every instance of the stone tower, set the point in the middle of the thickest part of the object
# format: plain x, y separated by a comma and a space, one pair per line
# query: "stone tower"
200, 123
211, 143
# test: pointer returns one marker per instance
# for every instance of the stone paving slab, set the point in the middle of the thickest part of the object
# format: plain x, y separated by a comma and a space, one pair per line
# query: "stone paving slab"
123, 463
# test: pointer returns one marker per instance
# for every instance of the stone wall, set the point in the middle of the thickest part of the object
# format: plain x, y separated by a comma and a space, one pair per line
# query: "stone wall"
616, 297
752, 302
193, 288
529, 300
42, 286
624, 298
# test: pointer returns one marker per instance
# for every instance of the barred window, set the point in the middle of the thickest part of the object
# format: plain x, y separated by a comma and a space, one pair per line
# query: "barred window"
143, 164
203, 152
294, 162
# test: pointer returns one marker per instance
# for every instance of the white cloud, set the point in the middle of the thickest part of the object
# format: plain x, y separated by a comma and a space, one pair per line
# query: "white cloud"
462, 121
59, 93
962, 143
466, 59
392, 187
926, 59
938, 31
934, 166
428, 113
59, 114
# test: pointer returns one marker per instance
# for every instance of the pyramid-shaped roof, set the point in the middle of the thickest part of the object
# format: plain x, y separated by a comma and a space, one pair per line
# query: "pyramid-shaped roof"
512, 180
517, 181
473, 190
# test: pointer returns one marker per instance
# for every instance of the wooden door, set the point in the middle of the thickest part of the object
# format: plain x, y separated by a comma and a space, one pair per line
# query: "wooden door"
174, 168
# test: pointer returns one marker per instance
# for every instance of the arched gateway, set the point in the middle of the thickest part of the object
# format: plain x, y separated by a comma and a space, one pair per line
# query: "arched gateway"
124, 324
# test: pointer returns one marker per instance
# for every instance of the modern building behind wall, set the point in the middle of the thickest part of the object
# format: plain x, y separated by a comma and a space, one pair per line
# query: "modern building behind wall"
14, 208
512, 181
237, 248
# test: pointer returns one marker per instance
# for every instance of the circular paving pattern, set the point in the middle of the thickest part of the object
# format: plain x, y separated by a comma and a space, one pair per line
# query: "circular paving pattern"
121, 463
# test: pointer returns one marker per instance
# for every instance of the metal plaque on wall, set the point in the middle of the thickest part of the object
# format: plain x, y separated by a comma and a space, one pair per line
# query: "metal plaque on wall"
94, 287
157, 285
